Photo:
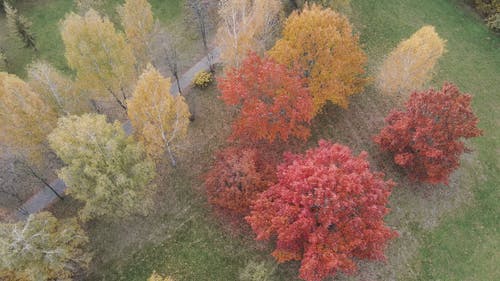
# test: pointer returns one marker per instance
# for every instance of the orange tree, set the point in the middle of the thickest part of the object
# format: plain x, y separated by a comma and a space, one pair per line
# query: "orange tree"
320, 42
326, 209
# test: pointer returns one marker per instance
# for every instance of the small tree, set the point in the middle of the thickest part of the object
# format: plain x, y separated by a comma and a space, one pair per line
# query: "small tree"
137, 21
274, 102
242, 24
200, 12
25, 118
101, 57
160, 119
157, 277
326, 210
105, 169
42, 248
19, 26
166, 52
56, 90
237, 177
425, 139
410, 66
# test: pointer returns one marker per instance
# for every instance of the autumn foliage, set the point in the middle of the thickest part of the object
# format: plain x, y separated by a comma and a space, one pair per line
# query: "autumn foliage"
321, 43
326, 210
425, 139
238, 176
274, 101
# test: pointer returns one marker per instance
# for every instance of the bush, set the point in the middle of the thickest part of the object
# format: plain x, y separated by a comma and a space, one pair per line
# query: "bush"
203, 79
254, 271
490, 10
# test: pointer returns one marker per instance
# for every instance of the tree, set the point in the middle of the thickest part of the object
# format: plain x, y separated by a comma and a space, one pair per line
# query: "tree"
274, 102
157, 277
42, 248
200, 13
26, 119
19, 26
105, 169
55, 89
101, 57
160, 119
320, 42
410, 66
137, 21
237, 177
425, 139
326, 210
242, 24
3, 60
166, 50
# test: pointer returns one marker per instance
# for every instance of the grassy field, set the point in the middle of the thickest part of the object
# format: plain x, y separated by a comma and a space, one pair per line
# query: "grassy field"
446, 232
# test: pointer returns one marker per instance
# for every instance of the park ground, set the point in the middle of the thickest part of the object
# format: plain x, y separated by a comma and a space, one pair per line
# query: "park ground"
446, 232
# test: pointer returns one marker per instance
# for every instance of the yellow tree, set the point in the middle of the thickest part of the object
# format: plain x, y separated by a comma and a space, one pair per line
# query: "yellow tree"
25, 118
137, 21
101, 57
410, 65
57, 90
244, 26
159, 118
321, 43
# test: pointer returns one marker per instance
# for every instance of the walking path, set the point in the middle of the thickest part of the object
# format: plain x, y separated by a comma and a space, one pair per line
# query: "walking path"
45, 197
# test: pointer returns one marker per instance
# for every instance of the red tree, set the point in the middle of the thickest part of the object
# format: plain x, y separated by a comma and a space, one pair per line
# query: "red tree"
326, 209
237, 177
425, 139
274, 101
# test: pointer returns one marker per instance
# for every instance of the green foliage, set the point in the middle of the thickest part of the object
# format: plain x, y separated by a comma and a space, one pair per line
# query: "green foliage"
105, 168
19, 27
3, 61
42, 248
203, 79
258, 271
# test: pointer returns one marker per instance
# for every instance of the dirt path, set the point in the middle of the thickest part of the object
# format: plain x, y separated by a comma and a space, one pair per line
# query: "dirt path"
45, 197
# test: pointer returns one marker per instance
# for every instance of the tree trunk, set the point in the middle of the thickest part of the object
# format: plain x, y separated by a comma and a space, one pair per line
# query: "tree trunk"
171, 155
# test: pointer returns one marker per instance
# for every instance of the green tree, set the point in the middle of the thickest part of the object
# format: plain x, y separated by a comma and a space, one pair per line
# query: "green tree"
19, 26
101, 57
42, 248
104, 168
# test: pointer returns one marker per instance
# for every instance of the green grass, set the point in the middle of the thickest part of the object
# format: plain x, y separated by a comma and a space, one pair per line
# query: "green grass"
465, 246
46, 15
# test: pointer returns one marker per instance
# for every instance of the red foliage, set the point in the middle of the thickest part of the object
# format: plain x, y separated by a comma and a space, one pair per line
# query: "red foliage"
326, 209
425, 137
237, 177
274, 101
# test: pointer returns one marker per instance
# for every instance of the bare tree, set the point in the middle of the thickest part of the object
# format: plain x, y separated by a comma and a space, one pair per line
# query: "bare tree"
202, 13
165, 49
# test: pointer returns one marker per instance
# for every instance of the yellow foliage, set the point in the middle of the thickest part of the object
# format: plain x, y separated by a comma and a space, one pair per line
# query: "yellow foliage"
321, 43
156, 277
57, 90
159, 118
137, 21
25, 118
103, 61
244, 26
202, 79
410, 66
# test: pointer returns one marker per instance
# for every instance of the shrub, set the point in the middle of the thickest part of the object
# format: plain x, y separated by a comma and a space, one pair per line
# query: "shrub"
203, 79
425, 138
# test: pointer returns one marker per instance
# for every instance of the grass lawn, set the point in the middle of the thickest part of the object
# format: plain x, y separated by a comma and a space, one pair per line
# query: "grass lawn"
446, 232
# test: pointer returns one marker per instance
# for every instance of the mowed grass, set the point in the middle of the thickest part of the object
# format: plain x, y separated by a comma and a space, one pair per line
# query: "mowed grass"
446, 233
466, 244
46, 15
